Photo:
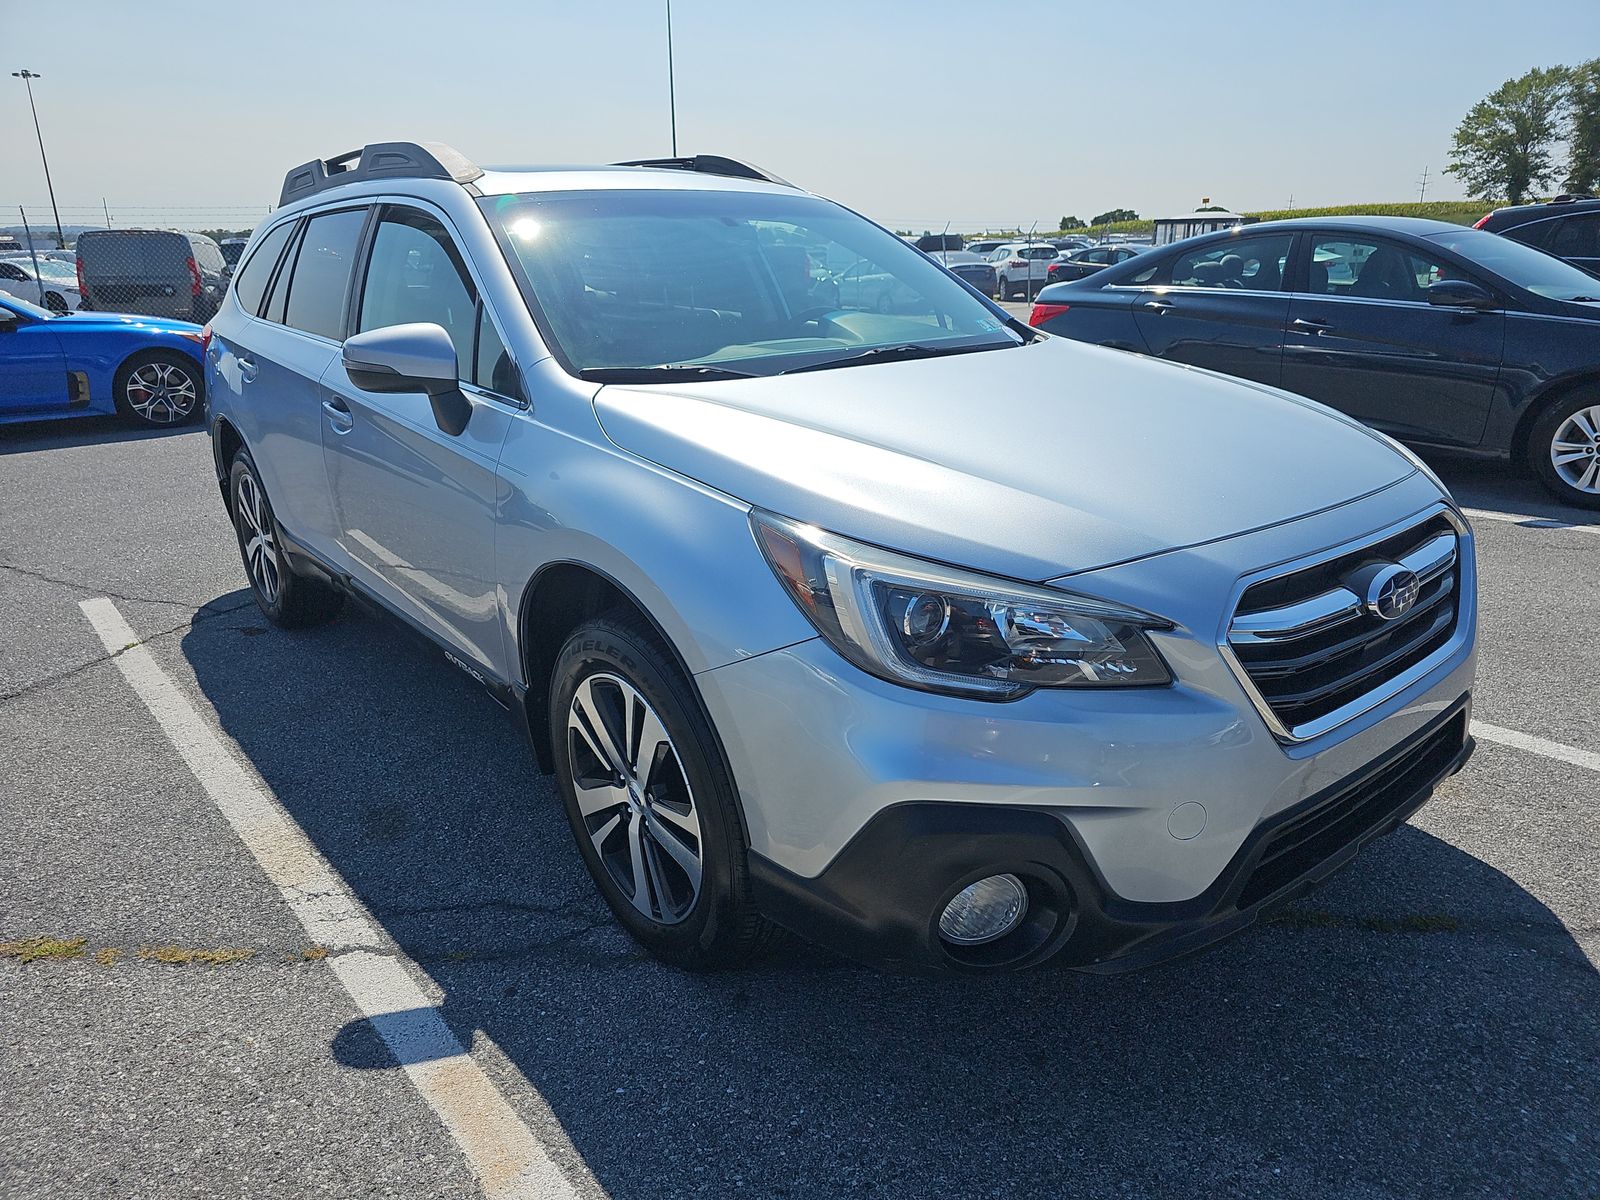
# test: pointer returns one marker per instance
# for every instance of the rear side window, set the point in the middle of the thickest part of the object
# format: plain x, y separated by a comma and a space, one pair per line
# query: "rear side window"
250, 284
321, 275
207, 254
1240, 264
1576, 237
415, 273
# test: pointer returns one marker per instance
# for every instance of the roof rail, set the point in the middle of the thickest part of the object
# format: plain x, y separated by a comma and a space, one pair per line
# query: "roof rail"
1572, 197
380, 160
710, 164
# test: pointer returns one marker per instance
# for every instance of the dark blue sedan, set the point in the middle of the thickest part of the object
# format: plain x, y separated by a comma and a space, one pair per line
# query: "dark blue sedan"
147, 369
1438, 335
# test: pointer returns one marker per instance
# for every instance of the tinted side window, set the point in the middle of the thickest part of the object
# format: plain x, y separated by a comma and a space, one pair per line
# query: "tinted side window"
322, 272
1246, 263
492, 368
1371, 270
416, 274
1576, 237
250, 284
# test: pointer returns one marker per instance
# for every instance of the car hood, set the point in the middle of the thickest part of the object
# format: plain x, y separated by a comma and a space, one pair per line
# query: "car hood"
1034, 462
102, 321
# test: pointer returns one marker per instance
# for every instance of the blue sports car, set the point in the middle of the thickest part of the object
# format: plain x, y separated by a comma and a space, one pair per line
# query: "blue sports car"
82, 363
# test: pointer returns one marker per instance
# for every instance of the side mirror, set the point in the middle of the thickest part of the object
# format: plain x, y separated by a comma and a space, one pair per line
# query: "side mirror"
411, 358
1458, 293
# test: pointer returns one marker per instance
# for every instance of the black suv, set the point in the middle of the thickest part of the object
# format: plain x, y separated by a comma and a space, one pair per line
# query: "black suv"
1568, 227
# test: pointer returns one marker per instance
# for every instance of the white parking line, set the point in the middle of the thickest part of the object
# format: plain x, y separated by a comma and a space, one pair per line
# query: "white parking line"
1489, 514
509, 1160
1536, 745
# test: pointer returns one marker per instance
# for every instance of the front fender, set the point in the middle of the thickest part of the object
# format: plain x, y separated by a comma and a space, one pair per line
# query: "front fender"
684, 551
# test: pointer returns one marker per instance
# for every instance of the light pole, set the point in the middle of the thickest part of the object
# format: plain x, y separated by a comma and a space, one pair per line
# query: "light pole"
27, 78
672, 91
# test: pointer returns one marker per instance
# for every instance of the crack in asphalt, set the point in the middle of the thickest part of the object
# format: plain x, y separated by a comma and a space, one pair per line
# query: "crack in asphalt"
92, 590
203, 613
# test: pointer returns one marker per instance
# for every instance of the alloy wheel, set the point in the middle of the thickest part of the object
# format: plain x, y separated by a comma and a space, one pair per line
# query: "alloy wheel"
161, 392
256, 536
634, 796
1575, 450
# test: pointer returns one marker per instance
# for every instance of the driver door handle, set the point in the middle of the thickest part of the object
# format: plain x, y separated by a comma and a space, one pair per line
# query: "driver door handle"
338, 414
1306, 325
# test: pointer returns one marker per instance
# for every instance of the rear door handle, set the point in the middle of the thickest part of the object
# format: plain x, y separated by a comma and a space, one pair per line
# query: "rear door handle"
1306, 325
1159, 306
338, 414
247, 370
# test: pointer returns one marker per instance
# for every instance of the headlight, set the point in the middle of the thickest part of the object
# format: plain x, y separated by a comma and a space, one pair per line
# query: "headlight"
946, 630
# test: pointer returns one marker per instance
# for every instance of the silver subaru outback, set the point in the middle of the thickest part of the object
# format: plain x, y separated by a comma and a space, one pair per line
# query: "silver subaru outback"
835, 598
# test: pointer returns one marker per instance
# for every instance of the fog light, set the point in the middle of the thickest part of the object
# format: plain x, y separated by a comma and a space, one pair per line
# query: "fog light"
984, 911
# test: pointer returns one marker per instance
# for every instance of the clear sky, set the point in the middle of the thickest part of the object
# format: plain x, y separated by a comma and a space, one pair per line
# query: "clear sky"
915, 113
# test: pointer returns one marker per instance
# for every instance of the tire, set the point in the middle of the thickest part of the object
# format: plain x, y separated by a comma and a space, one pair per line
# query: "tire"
159, 388
683, 794
1004, 289
287, 599
1569, 429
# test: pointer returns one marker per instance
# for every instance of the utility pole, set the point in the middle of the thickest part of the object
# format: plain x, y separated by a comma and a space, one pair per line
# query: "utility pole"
27, 78
672, 90
1422, 185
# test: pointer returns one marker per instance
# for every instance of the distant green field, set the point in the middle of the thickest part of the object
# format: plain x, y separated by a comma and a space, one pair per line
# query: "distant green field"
1461, 212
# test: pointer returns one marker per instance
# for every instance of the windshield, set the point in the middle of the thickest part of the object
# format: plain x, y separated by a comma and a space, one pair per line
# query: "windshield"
727, 282
28, 310
1522, 265
58, 272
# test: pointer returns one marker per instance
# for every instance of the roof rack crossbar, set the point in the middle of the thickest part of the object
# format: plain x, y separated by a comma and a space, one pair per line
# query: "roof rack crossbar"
380, 160
710, 164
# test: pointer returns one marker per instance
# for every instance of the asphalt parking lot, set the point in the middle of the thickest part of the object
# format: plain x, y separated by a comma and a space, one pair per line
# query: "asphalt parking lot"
1428, 1024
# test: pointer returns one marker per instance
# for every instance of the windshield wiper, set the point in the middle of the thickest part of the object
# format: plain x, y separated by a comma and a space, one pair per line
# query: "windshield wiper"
663, 373
892, 353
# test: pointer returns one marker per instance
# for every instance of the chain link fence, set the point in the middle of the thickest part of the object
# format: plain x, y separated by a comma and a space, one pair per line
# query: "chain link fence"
159, 262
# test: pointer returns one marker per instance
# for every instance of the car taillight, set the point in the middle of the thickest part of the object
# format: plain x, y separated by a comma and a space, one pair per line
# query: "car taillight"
194, 277
1016, 262
205, 339
1482, 221
1040, 313
83, 288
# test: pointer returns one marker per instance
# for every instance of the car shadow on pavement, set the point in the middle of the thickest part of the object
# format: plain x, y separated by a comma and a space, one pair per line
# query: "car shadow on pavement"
1423, 1025
26, 437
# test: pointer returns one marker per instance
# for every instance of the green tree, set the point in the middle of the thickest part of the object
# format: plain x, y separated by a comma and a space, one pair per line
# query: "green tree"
1115, 215
1070, 223
1583, 135
1505, 146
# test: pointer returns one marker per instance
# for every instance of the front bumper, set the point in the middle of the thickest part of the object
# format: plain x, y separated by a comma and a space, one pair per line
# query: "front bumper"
881, 897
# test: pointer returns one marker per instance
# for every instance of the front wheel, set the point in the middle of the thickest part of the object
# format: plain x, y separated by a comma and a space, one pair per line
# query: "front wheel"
1564, 449
159, 387
648, 797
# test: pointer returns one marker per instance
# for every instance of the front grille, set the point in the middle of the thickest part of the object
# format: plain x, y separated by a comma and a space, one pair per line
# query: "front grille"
1312, 837
1313, 648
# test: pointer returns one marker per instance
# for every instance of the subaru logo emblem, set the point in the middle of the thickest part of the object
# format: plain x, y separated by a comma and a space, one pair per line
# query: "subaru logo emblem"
1392, 592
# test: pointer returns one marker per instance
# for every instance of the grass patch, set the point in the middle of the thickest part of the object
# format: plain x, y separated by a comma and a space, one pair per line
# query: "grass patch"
34, 948
107, 956
183, 956
1414, 923
314, 953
